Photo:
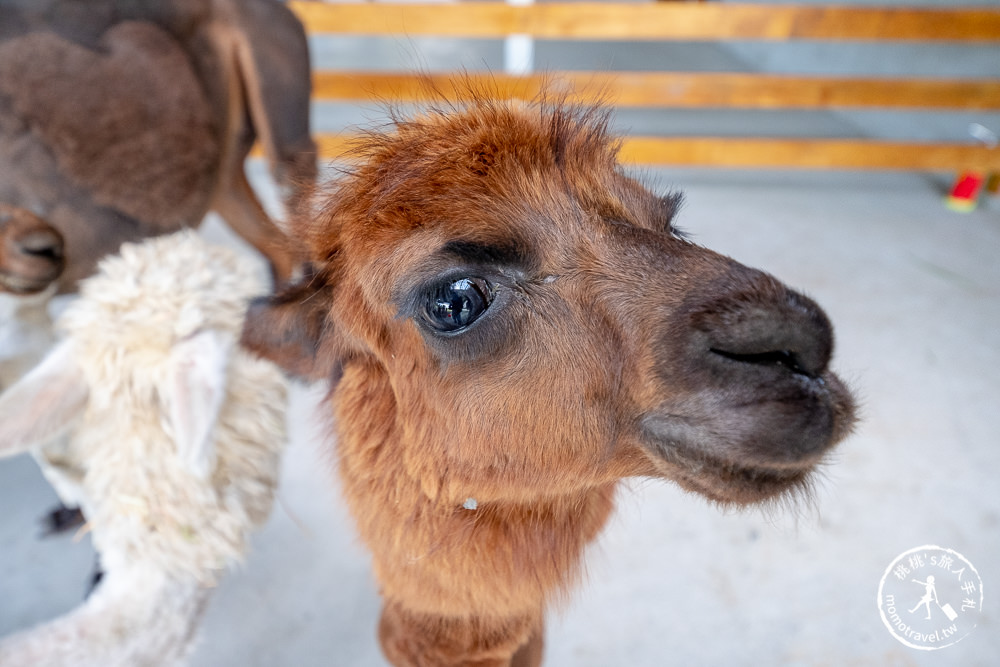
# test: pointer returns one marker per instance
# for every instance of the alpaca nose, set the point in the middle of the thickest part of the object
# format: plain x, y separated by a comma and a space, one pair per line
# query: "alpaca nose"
45, 244
33, 257
773, 331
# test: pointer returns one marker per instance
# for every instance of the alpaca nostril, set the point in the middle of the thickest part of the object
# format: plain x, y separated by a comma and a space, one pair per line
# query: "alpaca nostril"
784, 358
761, 329
32, 253
41, 243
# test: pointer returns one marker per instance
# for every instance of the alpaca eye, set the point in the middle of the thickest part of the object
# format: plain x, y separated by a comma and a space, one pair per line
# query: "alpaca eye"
455, 305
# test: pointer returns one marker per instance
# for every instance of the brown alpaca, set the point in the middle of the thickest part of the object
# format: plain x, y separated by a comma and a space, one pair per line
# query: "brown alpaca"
121, 120
511, 326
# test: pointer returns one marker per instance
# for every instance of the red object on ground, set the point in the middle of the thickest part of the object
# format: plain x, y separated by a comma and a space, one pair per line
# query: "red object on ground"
965, 192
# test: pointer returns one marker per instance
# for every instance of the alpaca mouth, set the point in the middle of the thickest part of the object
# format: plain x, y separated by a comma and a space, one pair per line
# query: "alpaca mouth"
742, 450
727, 482
22, 285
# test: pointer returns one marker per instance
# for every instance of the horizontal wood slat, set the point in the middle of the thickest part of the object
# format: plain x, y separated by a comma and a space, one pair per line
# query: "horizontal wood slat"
808, 154
772, 153
644, 21
663, 89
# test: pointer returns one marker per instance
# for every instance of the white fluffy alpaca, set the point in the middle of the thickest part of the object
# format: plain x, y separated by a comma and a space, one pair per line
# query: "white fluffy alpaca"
178, 433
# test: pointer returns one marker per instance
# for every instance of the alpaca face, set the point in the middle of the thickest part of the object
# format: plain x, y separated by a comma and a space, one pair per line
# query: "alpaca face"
543, 326
31, 252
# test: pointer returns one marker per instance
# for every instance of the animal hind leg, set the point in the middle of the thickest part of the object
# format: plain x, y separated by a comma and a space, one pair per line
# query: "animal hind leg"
239, 207
272, 63
62, 519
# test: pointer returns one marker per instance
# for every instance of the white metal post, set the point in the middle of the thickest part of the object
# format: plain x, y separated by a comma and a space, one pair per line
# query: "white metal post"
519, 49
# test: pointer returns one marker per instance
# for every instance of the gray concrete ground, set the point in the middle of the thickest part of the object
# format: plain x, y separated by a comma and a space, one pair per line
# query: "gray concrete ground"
914, 293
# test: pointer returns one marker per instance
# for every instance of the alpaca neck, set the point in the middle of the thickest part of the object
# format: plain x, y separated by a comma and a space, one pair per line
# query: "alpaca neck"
436, 556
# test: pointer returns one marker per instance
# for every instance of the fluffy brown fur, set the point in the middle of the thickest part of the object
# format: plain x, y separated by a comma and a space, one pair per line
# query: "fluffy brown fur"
121, 120
126, 121
478, 462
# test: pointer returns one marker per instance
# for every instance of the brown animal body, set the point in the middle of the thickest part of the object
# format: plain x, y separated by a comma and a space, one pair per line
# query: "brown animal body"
511, 326
121, 119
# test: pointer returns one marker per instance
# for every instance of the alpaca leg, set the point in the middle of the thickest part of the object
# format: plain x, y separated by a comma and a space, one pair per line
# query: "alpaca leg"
411, 639
234, 199
61, 519
67, 481
272, 61
239, 207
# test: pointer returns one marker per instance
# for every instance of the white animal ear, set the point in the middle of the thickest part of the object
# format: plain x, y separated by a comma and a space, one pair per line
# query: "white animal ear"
195, 391
43, 404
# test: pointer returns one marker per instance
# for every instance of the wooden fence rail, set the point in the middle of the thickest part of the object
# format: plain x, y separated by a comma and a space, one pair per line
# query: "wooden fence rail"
674, 89
681, 21
652, 21
775, 153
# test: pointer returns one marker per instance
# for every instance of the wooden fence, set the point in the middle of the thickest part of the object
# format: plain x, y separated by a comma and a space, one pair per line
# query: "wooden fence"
694, 21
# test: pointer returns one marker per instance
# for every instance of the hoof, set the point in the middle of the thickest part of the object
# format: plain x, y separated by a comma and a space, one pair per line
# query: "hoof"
61, 520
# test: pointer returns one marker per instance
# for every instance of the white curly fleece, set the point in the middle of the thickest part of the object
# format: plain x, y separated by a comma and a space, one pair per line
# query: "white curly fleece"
167, 518
145, 502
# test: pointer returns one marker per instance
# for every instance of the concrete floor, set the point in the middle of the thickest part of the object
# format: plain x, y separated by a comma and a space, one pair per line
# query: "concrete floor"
914, 292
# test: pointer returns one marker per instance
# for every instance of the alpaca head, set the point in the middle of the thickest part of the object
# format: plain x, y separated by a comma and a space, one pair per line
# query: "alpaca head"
543, 326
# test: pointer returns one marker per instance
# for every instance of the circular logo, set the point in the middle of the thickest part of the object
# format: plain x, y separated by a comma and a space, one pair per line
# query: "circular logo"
930, 597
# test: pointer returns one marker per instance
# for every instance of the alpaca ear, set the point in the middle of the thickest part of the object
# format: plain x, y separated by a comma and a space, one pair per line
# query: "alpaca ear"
195, 391
292, 329
44, 404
